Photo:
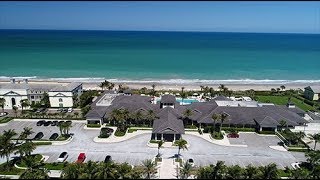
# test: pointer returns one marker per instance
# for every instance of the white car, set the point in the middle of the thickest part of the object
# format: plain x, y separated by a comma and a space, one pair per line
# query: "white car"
295, 165
63, 156
70, 110
191, 162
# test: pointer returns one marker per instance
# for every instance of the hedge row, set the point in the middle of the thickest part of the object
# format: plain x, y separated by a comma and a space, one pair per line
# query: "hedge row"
266, 132
238, 129
93, 125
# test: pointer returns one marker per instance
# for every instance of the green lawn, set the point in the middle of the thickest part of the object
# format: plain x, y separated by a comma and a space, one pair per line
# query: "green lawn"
283, 100
5, 119
54, 166
11, 171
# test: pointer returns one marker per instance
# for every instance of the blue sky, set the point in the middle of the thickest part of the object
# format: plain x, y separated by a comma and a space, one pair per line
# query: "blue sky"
283, 17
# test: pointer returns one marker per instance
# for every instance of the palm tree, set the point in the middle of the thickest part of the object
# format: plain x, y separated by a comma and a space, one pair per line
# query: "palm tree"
201, 88
223, 117
185, 170
153, 90
160, 143
283, 124
151, 116
2, 103
182, 144
218, 170
61, 128
269, 171
7, 146
25, 149
15, 110
67, 126
282, 87
183, 96
149, 168
106, 171
71, 171
101, 85
35, 169
76, 114
250, 172
182, 88
139, 116
215, 117
24, 103
27, 131
234, 172
316, 138
187, 114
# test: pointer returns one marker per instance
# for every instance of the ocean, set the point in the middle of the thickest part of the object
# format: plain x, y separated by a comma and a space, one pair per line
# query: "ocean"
171, 57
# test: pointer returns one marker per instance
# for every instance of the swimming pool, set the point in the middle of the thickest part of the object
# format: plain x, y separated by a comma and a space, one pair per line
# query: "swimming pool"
186, 101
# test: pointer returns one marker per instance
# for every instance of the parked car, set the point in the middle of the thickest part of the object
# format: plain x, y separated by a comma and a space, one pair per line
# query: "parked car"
191, 162
64, 110
233, 135
81, 158
108, 159
60, 122
70, 110
54, 123
60, 109
40, 110
68, 122
54, 136
47, 123
41, 122
63, 156
296, 165
38, 136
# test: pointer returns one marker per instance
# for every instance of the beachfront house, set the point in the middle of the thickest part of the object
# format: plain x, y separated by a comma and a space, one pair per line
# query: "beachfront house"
16, 91
312, 93
65, 95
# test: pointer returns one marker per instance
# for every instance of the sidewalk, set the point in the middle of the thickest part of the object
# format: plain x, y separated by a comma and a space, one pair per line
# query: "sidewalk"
168, 169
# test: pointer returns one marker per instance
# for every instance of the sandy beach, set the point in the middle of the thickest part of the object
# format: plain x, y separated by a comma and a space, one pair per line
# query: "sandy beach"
164, 86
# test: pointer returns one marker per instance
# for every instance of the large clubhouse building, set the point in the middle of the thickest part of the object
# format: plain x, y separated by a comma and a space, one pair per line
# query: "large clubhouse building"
170, 124
59, 95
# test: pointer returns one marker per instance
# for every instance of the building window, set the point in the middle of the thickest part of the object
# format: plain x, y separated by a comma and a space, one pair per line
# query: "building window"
32, 97
60, 100
13, 101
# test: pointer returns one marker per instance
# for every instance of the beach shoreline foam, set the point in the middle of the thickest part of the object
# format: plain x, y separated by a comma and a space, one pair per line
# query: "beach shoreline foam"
171, 84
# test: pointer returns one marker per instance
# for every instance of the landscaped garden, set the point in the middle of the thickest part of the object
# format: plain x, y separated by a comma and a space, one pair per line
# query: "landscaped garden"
105, 132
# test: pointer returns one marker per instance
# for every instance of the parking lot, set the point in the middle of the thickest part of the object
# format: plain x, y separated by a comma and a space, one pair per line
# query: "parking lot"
135, 150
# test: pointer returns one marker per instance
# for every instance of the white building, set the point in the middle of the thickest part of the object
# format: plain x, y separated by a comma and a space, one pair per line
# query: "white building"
312, 93
59, 96
64, 95
16, 91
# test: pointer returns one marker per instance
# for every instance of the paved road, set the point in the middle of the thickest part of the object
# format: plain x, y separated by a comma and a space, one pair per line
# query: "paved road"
135, 150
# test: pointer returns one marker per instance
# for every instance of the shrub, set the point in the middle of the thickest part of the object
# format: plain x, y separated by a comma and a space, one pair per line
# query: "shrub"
217, 135
227, 129
93, 125
6, 119
105, 132
121, 131
191, 126
266, 132
42, 143
154, 141
311, 103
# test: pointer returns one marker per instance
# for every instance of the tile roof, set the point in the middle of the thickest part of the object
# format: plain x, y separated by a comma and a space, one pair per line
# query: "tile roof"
68, 87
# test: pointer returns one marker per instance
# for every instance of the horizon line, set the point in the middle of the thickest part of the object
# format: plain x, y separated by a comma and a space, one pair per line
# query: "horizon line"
183, 31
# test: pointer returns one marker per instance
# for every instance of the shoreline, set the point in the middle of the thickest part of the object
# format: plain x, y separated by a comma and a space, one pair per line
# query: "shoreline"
162, 85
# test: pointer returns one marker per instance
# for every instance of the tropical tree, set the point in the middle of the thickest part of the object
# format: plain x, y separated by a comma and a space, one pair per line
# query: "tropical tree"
234, 172
283, 124
182, 144
273, 90
153, 90
182, 88
215, 117
201, 88
24, 103
282, 87
111, 86
7, 147
149, 168
222, 88
183, 96
299, 173
222, 118
71, 171
160, 143
66, 127
316, 138
106, 171
269, 171
76, 114
139, 117
187, 114
185, 170
15, 110
250, 172
35, 169
27, 131
219, 170
61, 128
2, 103
25, 149
151, 116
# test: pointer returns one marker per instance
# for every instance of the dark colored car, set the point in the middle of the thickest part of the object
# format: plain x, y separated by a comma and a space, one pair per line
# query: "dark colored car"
47, 123
81, 158
41, 122
54, 123
233, 135
64, 110
38, 136
60, 122
108, 159
68, 122
40, 110
54, 136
